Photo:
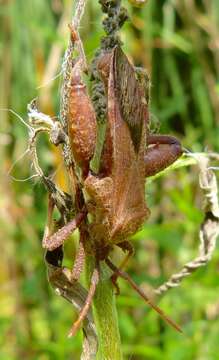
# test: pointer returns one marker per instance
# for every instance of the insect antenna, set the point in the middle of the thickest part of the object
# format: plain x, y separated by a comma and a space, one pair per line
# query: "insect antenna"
126, 277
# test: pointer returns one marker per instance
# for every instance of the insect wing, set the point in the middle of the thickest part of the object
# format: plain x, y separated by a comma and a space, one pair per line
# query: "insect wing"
126, 139
131, 96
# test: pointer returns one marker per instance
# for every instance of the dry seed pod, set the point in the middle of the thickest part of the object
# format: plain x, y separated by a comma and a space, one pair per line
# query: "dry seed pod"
81, 120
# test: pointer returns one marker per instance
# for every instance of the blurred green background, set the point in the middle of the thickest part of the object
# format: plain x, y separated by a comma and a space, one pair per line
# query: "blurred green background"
178, 42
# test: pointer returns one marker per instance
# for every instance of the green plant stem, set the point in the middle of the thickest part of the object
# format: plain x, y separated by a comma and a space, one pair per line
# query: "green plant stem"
105, 314
104, 304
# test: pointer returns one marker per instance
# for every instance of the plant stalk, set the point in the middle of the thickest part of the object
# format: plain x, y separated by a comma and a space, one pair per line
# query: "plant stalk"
105, 314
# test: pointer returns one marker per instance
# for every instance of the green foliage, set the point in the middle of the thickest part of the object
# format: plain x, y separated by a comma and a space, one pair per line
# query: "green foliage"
176, 41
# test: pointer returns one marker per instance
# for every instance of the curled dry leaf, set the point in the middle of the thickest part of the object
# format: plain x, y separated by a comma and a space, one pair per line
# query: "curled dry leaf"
76, 294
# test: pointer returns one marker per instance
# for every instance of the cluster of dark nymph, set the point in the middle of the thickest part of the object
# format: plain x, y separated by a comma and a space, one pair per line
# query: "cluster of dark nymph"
107, 201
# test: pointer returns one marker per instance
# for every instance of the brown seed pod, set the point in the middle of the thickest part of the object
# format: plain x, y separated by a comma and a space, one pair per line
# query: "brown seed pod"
82, 127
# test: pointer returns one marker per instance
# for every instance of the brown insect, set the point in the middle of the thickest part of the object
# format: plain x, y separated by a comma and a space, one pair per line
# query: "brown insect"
115, 197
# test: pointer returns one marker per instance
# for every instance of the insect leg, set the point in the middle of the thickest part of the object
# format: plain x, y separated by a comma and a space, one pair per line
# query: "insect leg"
126, 277
84, 311
58, 238
125, 246
79, 263
166, 150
